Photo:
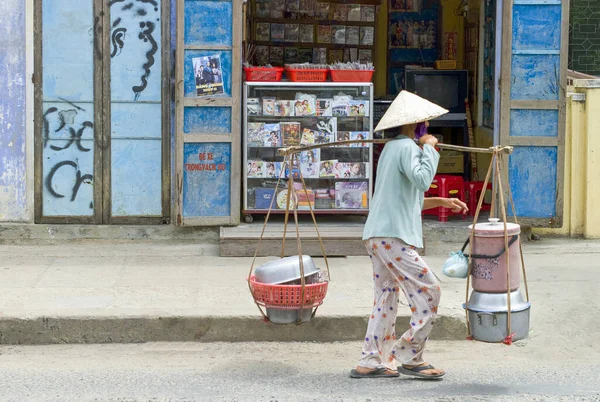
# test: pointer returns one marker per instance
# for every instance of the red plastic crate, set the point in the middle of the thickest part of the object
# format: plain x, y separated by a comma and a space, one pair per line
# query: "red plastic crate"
287, 297
263, 73
352, 75
306, 75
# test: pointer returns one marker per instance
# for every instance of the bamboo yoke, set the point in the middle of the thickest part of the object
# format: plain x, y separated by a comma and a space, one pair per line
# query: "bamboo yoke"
497, 165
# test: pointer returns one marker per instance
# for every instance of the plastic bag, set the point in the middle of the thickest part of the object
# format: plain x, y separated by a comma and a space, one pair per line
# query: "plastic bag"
457, 266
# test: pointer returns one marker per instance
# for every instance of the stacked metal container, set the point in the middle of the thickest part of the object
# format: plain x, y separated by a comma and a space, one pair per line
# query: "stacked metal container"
488, 304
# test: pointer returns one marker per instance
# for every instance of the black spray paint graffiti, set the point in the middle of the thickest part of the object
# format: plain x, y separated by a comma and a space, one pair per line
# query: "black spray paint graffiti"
146, 35
66, 118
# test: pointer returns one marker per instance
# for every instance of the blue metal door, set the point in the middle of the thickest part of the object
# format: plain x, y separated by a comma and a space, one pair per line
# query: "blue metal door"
533, 85
102, 133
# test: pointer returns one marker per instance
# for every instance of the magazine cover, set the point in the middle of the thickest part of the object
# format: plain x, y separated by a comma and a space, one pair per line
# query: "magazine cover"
324, 34
351, 195
255, 134
276, 55
322, 10
323, 137
277, 9
320, 55
328, 125
340, 108
305, 105
310, 170
284, 108
256, 169
359, 108
271, 135
352, 35
290, 55
335, 55
324, 107
263, 31
327, 169
307, 10
295, 170
306, 33
268, 106
366, 36
277, 32
354, 12
308, 137
263, 9
365, 55
359, 135
261, 56
271, 171
310, 156
410, 6
367, 13
350, 54
340, 12
292, 32
209, 76
292, 9
341, 170
253, 106
305, 55
338, 34
290, 133
343, 136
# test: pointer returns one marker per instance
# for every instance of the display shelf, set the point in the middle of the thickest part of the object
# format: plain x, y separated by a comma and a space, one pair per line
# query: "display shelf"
348, 190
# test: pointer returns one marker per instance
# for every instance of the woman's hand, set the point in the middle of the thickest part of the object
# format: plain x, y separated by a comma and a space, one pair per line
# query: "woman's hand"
456, 205
428, 139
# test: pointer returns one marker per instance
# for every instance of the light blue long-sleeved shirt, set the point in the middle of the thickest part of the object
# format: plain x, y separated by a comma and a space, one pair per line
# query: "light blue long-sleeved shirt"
404, 173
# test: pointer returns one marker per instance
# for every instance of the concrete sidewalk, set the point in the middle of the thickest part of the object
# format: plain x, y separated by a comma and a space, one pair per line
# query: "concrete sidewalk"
100, 291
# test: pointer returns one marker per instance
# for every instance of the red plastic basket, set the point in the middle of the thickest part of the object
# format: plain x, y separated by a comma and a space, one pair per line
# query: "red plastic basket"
263, 73
352, 75
287, 297
306, 75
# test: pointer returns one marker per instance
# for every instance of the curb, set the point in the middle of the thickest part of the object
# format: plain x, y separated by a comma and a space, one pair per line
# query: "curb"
86, 330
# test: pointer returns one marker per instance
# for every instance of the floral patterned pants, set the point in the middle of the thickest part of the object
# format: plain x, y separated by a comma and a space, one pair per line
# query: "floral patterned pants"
397, 266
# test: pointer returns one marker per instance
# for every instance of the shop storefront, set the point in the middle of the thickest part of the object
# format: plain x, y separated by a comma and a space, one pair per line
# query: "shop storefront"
507, 58
138, 113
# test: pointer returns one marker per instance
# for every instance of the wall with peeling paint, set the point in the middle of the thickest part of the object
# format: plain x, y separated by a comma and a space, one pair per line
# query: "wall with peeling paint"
13, 168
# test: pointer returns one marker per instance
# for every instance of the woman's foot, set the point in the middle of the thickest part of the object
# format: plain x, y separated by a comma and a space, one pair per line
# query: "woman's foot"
423, 370
364, 372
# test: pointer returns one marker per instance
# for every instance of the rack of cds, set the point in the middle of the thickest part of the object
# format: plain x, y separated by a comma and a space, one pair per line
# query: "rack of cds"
282, 114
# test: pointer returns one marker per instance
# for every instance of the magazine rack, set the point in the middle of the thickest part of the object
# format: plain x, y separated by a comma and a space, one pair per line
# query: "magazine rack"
290, 114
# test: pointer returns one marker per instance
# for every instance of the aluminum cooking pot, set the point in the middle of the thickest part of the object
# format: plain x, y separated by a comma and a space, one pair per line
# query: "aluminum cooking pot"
285, 270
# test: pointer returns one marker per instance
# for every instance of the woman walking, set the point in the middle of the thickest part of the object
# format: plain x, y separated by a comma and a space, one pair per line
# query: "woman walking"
393, 233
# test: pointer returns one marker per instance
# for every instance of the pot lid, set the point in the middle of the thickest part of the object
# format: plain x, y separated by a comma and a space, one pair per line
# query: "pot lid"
497, 302
495, 228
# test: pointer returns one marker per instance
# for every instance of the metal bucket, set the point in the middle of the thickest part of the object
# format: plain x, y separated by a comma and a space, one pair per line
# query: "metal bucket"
278, 316
488, 316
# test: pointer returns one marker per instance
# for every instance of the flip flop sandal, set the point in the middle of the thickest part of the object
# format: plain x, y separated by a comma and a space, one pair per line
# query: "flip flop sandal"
381, 372
416, 372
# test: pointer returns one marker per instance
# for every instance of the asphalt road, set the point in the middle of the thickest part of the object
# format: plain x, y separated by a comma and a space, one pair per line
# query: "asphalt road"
526, 371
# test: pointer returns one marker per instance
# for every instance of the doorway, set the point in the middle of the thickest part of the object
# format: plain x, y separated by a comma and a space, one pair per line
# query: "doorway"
102, 111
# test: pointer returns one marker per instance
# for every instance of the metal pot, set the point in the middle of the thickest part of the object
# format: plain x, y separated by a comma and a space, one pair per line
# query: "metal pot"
488, 316
489, 261
278, 316
285, 270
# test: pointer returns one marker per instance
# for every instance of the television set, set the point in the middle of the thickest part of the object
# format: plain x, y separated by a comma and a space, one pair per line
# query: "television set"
447, 88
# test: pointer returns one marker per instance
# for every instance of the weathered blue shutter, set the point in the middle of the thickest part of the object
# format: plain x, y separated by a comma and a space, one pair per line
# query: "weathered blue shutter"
533, 84
208, 128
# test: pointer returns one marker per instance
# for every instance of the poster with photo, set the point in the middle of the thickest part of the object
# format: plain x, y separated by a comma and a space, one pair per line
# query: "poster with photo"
272, 170
352, 35
310, 156
209, 75
271, 135
412, 34
359, 108
359, 135
404, 6
256, 169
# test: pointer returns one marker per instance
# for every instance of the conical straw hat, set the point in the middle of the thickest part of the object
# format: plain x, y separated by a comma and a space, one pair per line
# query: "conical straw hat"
409, 108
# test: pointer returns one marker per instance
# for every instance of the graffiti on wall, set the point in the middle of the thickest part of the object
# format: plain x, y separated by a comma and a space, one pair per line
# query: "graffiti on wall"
147, 12
65, 141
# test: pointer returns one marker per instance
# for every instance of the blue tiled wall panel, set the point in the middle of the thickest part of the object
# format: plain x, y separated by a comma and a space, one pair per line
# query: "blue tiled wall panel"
532, 175
207, 120
535, 77
208, 23
536, 27
206, 182
533, 123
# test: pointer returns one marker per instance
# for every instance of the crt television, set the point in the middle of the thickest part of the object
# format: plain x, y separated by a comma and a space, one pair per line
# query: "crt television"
447, 88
